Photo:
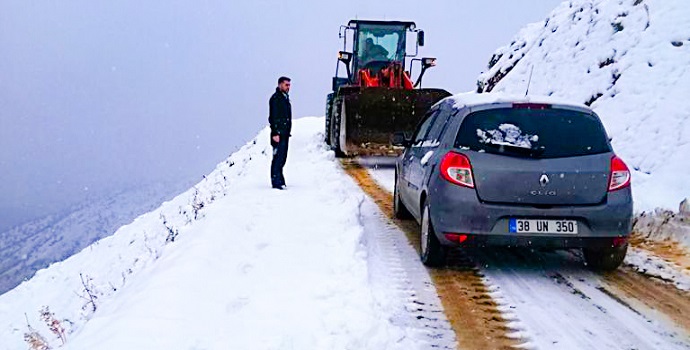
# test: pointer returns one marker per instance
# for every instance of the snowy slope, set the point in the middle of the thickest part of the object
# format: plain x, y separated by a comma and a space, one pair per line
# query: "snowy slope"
35, 245
249, 267
630, 60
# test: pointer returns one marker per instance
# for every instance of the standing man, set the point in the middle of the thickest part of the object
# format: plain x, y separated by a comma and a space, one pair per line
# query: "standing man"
280, 118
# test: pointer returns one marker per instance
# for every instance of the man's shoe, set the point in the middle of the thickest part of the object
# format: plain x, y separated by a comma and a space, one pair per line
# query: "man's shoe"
280, 187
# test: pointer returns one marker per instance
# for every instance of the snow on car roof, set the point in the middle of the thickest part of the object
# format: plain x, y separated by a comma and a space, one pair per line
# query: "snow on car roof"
470, 99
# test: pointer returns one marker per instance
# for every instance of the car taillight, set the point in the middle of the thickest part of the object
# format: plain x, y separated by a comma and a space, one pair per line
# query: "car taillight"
620, 174
456, 168
619, 241
456, 237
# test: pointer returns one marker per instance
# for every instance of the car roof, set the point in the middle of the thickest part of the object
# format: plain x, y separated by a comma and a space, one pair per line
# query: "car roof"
477, 101
409, 24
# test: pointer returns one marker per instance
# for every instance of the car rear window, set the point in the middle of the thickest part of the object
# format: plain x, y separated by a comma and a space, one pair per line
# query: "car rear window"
537, 133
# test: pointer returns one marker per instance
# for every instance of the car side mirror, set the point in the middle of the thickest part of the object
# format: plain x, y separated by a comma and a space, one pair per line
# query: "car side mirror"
420, 38
399, 139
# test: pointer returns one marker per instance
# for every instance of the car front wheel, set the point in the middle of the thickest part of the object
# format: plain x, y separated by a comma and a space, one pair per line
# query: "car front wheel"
432, 253
604, 259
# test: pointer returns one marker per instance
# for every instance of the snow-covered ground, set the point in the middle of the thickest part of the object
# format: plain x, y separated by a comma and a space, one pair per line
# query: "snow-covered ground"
558, 304
647, 263
235, 264
630, 60
232, 263
384, 177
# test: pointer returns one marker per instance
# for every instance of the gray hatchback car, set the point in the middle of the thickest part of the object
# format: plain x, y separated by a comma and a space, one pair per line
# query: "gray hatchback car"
491, 169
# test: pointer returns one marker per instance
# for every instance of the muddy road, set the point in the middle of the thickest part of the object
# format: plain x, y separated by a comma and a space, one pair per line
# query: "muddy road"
501, 298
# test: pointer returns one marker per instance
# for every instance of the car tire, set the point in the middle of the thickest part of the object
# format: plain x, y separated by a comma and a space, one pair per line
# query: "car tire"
431, 252
604, 259
399, 209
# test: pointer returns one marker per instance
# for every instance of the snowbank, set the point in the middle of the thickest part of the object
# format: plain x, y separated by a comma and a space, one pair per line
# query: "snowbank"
231, 263
630, 60
663, 225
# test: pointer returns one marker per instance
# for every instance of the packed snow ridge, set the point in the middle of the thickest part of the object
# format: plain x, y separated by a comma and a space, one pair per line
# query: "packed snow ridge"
229, 264
629, 60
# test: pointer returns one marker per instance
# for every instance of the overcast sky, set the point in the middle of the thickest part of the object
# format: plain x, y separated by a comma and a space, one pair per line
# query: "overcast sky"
96, 96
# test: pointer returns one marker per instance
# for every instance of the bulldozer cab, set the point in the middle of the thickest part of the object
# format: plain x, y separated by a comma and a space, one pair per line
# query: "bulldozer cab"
377, 45
378, 97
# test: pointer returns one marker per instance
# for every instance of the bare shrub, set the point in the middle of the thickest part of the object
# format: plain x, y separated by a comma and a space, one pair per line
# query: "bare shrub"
35, 339
53, 324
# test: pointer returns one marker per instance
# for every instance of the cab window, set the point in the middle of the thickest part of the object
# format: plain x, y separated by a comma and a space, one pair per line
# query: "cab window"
423, 129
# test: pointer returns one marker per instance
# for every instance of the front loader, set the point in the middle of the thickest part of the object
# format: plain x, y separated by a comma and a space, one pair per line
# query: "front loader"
377, 97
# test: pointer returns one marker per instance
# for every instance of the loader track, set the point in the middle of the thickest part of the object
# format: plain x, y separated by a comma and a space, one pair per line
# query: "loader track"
472, 312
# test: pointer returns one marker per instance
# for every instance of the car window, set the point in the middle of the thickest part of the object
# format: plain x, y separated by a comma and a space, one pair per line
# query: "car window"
439, 127
543, 133
423, 129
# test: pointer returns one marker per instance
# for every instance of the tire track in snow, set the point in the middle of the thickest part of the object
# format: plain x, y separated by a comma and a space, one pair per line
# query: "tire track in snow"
476, 318
563, 305
647, 293
393, 269
551, 300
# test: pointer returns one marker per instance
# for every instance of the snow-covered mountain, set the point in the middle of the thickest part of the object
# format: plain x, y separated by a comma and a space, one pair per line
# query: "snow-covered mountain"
34, 245
629, 60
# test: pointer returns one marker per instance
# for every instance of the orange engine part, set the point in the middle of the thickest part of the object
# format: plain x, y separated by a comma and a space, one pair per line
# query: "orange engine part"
392, 76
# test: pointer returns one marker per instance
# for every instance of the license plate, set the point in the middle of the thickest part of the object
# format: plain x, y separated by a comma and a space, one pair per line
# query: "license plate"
543, 226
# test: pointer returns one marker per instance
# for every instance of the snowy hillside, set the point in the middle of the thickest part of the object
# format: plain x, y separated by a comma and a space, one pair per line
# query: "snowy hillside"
629, 60
238, 265
35, 245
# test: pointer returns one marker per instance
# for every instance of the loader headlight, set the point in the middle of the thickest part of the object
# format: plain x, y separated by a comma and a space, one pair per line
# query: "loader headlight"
344, 56
428, 62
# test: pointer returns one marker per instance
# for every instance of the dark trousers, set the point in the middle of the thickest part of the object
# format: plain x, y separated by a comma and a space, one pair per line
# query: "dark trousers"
280, 150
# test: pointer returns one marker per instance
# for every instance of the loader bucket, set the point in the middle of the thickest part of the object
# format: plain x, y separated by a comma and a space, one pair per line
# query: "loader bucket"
372, 115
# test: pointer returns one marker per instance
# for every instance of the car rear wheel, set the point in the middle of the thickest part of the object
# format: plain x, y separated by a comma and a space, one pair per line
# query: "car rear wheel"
399, 209
432, 253
604, 259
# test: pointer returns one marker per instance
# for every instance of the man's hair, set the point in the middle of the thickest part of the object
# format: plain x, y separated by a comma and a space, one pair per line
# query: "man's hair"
283, 79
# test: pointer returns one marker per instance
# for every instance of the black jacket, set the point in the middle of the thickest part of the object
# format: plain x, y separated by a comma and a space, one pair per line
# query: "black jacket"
280, 114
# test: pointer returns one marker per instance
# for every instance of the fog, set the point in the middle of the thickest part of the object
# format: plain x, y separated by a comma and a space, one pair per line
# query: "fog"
97, 96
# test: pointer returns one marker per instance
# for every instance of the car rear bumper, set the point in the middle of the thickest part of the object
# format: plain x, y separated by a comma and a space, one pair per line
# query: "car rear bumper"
534, 241
456, 209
